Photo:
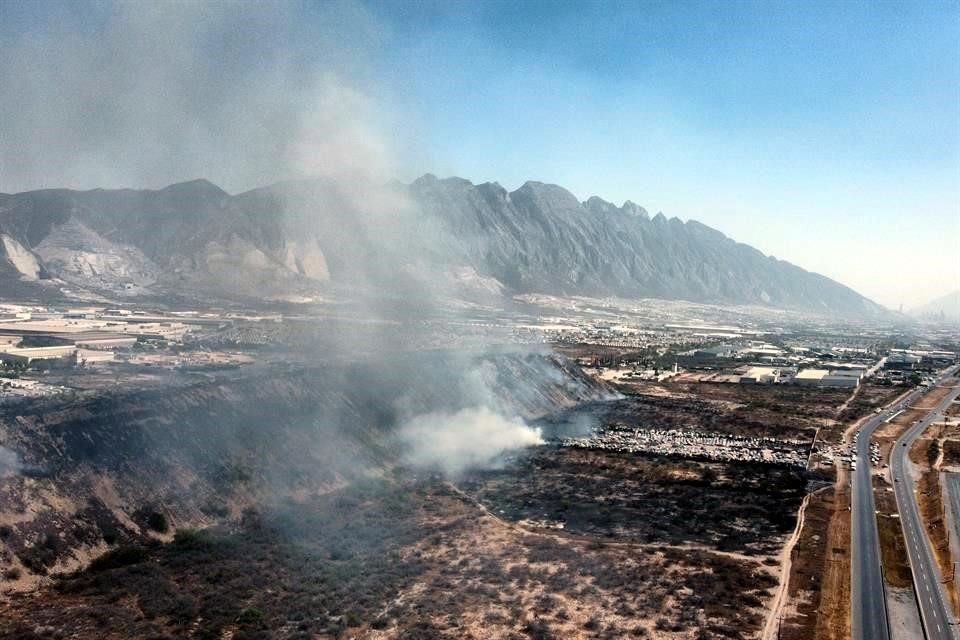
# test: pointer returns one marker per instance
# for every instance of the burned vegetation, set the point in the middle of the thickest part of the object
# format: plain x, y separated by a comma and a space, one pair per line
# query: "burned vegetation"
391, 559
554, 542
739, 508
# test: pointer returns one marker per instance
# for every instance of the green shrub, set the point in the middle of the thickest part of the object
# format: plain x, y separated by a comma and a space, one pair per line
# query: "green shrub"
251, 617
119, 557
191, 539
157, 522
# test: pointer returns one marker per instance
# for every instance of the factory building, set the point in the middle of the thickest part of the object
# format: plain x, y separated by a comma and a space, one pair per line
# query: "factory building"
760, 375
845, 378
66, 354
158, 330
760, 349
105, 341
810, 377
842, 378
91, 356
28, 355
705, 356
902, 361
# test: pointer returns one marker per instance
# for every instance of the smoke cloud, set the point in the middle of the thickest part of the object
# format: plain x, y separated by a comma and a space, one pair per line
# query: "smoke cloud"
147, 94
142, 94
9, 463
469, 438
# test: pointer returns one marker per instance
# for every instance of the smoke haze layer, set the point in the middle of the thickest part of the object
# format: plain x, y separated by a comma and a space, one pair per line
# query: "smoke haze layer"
244, 95
147, 94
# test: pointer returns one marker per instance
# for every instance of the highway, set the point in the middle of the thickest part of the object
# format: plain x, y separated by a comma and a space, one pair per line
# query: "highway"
934, 612
868, 600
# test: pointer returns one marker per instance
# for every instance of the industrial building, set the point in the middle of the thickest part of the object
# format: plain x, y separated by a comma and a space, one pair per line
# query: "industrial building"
810, 377
842, 378
847, 378
706, 356
901, 360
157, 330
28, 355
65, 354
760, 349
105, 341
92, 356
761, 375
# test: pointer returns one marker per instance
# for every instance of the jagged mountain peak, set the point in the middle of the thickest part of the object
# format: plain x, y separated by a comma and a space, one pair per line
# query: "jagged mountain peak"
199, 186
538, 238
550, 195
430, 181
634, 209
597, 204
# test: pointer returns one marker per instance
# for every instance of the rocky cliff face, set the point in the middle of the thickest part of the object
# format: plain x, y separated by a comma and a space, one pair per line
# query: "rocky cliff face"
541, 238
538, 238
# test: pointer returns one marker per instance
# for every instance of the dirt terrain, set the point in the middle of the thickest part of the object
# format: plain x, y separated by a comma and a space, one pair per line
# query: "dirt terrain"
739, 508
297, 542
392, 559
926, 454
160, 516
819, 605
893, 549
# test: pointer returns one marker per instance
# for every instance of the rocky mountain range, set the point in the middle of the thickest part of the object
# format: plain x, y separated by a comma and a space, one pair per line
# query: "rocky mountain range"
309, 235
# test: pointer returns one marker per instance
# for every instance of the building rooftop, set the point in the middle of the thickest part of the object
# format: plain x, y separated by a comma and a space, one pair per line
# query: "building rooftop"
754, 372
847, 373
812, 374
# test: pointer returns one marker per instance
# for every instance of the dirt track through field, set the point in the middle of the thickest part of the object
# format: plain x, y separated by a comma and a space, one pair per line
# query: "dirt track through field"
783, 589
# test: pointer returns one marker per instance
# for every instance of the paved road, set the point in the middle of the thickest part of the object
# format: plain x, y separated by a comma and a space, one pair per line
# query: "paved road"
868, 601
934, 612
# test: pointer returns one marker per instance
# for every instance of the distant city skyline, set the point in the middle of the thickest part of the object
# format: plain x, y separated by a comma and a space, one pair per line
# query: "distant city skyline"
825, 134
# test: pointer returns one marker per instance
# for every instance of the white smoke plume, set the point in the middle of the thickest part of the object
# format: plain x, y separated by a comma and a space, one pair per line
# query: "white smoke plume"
454, 442
144, 94
147, 94
9, 463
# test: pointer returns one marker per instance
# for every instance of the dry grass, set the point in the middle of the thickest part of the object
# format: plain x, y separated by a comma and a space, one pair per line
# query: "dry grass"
930, 401
893, 548
951, 452
930, 500
866, 399
820, 574
887, 433
919, 451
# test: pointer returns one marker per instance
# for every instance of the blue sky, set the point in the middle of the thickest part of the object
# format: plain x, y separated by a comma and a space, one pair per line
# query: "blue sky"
825, 133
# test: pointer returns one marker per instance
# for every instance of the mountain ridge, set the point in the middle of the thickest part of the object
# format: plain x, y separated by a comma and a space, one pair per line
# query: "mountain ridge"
537, 238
